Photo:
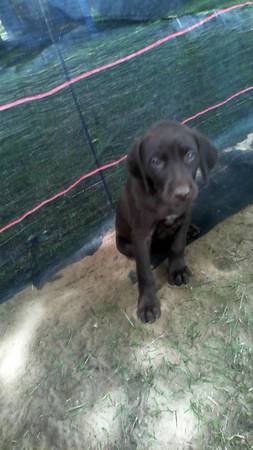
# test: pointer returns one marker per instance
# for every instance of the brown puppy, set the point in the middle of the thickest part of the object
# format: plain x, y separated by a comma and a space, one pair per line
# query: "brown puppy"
155, 205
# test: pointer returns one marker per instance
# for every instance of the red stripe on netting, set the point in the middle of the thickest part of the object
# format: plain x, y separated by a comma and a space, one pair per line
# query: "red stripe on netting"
122, 60
60, 194
114, 163
217, 105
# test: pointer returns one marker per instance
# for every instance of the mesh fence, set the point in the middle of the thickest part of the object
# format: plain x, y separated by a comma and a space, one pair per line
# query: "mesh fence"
79, 81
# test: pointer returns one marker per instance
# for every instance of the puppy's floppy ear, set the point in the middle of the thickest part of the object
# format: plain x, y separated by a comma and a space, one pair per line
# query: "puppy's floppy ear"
207, 153
135, 163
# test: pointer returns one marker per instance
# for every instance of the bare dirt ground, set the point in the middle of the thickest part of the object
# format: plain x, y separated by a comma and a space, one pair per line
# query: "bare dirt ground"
78, 370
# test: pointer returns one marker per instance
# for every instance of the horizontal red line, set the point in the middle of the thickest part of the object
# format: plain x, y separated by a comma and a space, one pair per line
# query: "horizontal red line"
60, 194
122, 60
217, 105
114, 163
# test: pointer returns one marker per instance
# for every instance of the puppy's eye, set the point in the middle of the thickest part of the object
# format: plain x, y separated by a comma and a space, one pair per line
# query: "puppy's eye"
156, 162
189, 156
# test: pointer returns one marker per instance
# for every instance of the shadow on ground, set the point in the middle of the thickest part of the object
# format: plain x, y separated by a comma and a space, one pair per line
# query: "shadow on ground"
79, 371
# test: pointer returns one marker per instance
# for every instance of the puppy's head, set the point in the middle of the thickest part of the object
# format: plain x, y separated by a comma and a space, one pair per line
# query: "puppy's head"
166, 160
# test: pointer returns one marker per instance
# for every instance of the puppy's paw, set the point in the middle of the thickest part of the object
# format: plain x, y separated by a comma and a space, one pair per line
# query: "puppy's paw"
179, 276
148, 309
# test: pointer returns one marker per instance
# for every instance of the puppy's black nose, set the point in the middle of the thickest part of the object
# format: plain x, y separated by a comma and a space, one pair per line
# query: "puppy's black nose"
182, 192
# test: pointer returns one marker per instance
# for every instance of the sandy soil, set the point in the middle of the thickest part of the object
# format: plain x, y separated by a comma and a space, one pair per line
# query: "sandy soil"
79, 371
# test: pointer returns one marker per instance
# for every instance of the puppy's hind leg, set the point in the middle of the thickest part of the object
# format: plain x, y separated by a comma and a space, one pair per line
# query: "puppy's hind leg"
193, 233
124, 246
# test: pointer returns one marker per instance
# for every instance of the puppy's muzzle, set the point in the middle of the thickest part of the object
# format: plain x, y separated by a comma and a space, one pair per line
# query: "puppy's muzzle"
181, 193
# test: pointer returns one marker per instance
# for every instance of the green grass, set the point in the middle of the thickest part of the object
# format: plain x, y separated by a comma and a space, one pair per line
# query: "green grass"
191, 371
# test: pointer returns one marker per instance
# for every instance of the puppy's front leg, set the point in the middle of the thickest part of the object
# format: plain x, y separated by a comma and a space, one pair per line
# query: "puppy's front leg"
148, 309
179, 273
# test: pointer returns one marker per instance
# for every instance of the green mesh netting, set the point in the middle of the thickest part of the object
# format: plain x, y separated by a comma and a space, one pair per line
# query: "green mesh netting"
47, 144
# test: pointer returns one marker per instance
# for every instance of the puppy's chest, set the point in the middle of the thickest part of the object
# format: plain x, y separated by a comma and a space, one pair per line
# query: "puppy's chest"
172, 222
170, 219
168, 226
